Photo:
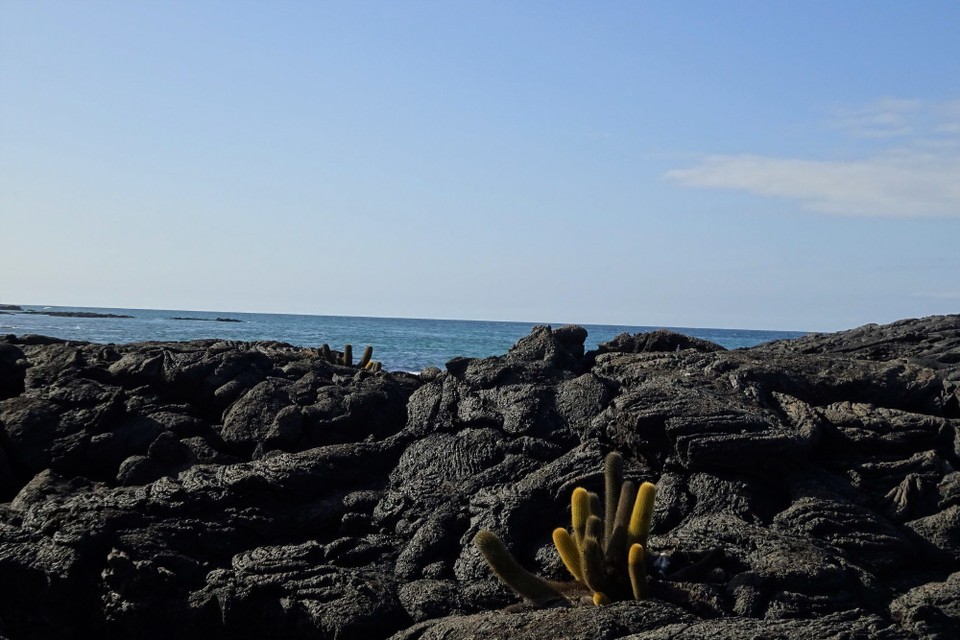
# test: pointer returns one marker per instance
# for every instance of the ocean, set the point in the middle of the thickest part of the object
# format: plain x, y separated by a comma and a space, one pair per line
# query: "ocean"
399, 343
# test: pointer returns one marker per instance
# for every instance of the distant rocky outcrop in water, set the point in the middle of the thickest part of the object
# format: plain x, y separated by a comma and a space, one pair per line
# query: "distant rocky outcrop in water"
206, 319
71, 314
217, 489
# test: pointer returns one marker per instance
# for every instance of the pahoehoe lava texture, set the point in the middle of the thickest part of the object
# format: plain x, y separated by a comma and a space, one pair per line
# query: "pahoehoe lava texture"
214, 489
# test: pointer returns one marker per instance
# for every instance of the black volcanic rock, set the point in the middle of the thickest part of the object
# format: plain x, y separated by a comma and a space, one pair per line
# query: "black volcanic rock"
217, 489
12, 369
932, 342
659, 340
90, 410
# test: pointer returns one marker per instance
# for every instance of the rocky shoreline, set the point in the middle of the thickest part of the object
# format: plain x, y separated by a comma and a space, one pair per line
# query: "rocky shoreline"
217, 489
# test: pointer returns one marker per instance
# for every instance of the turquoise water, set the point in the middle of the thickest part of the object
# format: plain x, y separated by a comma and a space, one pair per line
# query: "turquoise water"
399, 343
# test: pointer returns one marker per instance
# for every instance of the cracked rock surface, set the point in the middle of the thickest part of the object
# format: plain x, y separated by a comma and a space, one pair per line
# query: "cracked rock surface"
212, 489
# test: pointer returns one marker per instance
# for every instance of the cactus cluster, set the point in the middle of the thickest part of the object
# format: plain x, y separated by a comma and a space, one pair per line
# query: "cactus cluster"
345, 357
603, 551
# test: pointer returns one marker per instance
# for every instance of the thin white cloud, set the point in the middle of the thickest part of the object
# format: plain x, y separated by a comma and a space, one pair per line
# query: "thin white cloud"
884, 118
903, 184
917, 177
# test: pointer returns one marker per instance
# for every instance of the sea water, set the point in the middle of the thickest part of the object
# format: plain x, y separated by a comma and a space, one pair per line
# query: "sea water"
399, 343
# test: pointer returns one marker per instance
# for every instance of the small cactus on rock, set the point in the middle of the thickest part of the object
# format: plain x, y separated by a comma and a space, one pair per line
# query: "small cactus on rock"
604, 554
345, 358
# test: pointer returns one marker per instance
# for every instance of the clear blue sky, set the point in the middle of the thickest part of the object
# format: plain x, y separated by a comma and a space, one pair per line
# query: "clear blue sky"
780, 165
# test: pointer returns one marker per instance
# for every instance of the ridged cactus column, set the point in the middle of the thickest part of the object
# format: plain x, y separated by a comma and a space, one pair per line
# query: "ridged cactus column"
603, 554
606, 549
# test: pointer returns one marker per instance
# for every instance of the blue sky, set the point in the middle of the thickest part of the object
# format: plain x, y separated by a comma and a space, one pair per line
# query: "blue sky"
778, 165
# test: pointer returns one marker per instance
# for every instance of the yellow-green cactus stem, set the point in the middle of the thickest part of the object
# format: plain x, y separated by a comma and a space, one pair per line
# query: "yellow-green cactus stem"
628, 494
636, 566
600, 599
616, 548
347, 355
596, 509
568, 551
594, 528
591, 559
579, 512
326, 353
642, 514
508, 570
613, 479
365, 358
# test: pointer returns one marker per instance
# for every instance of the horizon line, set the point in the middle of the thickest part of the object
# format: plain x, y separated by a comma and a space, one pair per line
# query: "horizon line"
340, 315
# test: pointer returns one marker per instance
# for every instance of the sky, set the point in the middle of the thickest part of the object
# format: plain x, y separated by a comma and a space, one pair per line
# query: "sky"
738, 164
